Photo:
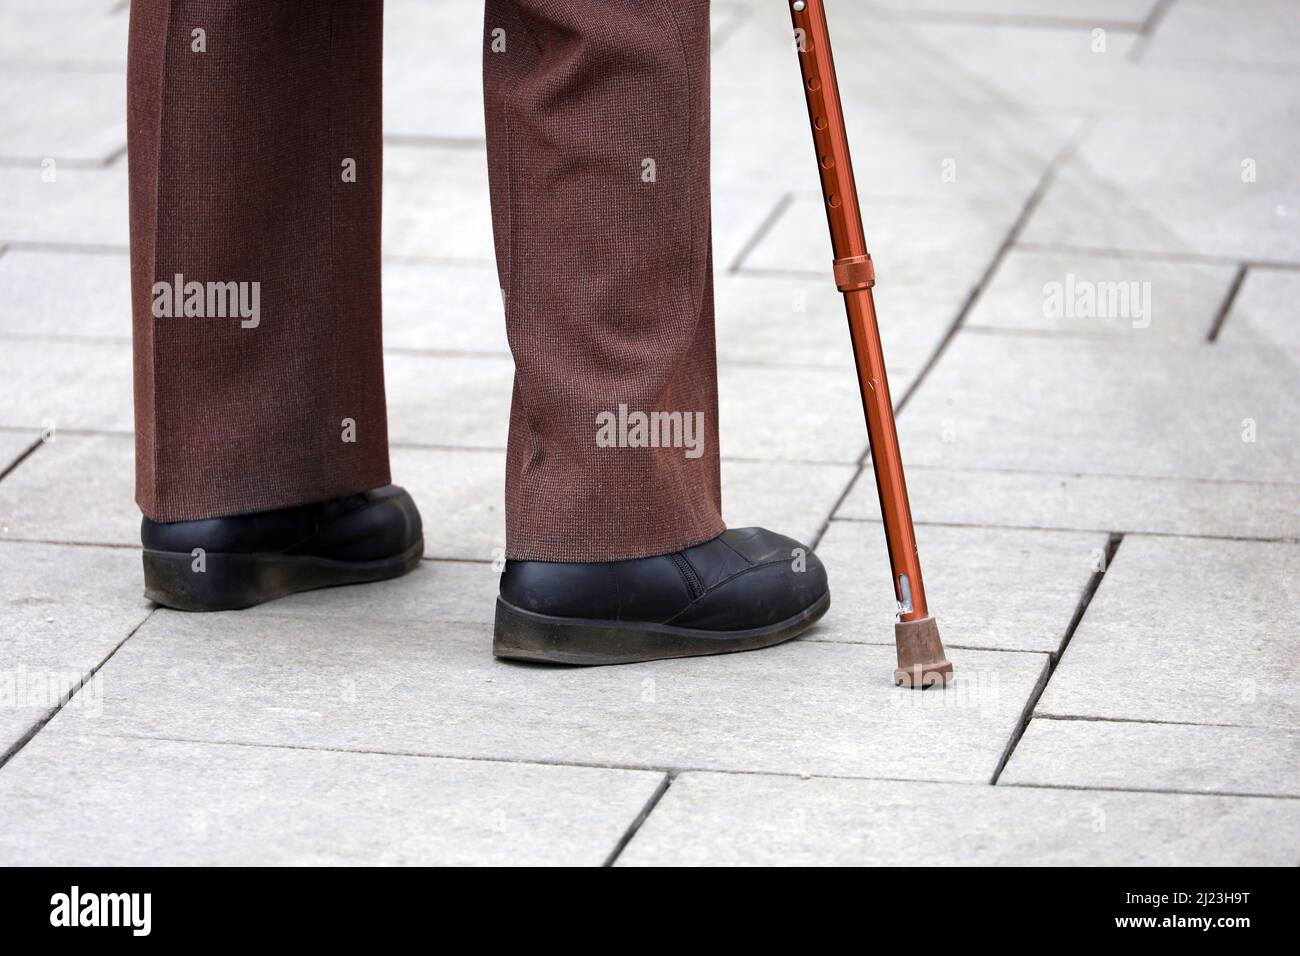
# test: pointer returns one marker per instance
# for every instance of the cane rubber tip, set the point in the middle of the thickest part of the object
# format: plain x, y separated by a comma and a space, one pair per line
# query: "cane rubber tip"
921, 660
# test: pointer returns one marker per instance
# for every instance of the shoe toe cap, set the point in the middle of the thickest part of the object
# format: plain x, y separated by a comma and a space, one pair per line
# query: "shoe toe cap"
785, 579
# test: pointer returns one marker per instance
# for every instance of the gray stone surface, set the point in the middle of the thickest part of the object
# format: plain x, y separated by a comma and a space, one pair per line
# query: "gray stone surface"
791, 414
1132, 12
436, 202
1180, 194
82, 385
65, 295
1140, 299
162, 802
432, 92
931, 152
463, 592
77, 489
400, 687
460, 494
744, 819
792, 498
1260, 34
799, 320
63, 116
1264, 316
987, 587
1187, 631
79, 206
450, 400
64, 610
71, 35
1261, 761
1105, 407
974, 496
442, 307
907, 237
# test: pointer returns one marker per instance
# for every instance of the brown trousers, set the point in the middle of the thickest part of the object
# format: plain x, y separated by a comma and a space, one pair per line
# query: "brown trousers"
598, 153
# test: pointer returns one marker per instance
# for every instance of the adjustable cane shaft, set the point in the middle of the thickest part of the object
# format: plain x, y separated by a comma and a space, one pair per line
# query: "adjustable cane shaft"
921, 658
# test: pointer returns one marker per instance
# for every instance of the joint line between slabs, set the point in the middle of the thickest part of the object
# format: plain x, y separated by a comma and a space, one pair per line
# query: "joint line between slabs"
1054, 660
1228, 301
86, 678
764, 227
22, 457
636, 824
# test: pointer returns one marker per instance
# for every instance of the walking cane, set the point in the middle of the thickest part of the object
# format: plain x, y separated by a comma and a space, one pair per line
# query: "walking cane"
921, 660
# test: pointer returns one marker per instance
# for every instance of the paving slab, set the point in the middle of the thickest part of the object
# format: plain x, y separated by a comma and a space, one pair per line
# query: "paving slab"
956, 66
1018, 69
1252, 761
1027, 69
1184, 189
396, 687
82, 384
433, 68
461, 497
436, 202
1140, 299
770, 412
1132, 12
65, 295
102, 801
799, 320
1260, 35
451, 307
930, 152
740, 819
792, 498
1027, 499
1187, 631
65, 609
462, 592
453, 400
994, 588
74, 34
76, 489
1034, 403
64, 115
740, 217
1263, 316
87, 206
907, 238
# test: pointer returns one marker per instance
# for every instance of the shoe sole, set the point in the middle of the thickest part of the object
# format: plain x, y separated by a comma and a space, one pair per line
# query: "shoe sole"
230, 582
525, 636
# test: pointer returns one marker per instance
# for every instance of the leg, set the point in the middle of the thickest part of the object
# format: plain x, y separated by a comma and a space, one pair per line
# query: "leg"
236, 159
598, 143
255, 164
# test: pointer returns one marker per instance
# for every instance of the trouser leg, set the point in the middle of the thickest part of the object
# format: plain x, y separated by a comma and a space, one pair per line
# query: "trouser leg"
598, 141
255, 164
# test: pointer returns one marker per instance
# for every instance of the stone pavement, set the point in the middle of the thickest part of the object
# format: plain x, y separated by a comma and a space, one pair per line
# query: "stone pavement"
1086, 221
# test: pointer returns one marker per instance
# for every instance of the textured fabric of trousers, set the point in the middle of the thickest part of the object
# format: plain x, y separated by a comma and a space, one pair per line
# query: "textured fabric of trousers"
244, 120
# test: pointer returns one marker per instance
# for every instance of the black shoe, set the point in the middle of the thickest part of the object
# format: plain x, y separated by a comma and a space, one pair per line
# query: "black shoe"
747, 588
247, 559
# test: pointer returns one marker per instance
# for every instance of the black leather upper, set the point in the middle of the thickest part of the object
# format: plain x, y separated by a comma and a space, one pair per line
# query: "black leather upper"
364, 527
743, 578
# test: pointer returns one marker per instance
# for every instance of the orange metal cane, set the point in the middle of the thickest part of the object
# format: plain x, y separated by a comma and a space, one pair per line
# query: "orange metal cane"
921, 660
